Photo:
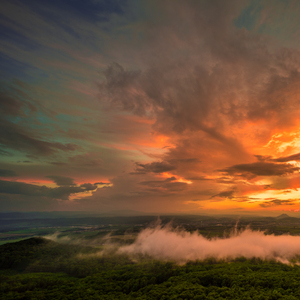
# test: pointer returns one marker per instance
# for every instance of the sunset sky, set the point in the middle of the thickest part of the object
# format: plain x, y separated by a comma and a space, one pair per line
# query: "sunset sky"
150, 106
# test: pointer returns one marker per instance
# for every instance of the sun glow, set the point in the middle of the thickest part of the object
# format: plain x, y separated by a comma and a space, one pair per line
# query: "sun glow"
284, 142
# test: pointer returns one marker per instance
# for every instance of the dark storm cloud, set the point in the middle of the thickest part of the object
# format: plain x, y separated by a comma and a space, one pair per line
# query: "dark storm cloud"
260, 169
13, 136
25, 189
279, 159
287, 158
207, 78
263, 157
117, 88
61, 180
277, 202
166, 166
161, 187
7, 173
187, 95
158, 182
89, 186
188, 105
276, 92
225, 194
169, 184
154, 167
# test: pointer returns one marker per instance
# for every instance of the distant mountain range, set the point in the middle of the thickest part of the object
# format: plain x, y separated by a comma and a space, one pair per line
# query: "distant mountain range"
283, 216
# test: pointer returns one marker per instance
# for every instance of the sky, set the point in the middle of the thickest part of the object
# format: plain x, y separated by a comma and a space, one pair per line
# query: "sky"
150, 106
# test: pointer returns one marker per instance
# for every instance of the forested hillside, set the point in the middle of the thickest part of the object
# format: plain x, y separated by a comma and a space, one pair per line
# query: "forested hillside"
41, 269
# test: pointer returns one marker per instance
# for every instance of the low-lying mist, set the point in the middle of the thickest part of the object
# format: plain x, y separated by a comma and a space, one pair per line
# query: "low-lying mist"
166, 243
73, 240
173, 244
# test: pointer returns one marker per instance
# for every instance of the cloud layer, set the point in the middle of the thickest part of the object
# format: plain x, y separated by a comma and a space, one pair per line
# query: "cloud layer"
176, 106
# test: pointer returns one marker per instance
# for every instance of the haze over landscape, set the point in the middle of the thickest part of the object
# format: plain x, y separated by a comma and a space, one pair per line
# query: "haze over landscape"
185, 107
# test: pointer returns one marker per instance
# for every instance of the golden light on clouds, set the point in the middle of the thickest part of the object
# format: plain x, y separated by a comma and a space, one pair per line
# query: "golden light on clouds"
198, 117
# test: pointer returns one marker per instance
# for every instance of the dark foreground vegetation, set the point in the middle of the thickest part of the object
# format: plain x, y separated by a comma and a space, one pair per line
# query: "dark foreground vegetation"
37, 268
